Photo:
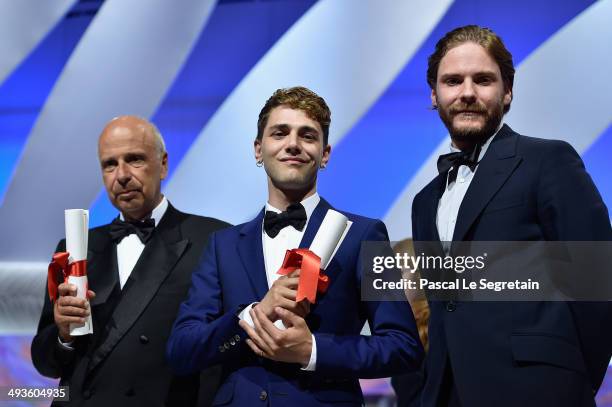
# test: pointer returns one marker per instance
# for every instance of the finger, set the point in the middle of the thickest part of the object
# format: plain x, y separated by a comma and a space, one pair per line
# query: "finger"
67, 289
268, 329
72, 301
255, 348
295, 273
91, 295
253, 334
259, 319
72, 311
287, 293
70, 320
289, 318
289, 282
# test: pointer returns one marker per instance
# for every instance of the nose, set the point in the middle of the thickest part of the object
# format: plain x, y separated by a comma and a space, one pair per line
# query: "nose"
468, 92
292, 143
123, 174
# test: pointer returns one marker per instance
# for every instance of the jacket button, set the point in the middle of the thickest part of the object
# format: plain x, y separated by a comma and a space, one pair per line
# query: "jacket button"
143, 339
221, 348
451, 306
237, 338
226, 345
263, 395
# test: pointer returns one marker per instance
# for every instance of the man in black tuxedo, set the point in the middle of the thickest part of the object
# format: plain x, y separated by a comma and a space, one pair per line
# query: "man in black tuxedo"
498, 185
139, 270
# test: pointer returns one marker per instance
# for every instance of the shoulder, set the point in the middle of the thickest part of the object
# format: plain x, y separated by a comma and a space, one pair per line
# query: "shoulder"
537, 146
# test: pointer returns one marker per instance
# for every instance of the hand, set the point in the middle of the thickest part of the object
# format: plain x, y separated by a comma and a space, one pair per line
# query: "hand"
291, 345
282, 294
68, 309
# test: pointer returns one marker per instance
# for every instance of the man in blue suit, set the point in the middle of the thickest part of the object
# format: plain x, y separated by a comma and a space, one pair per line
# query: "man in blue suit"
236, 296
497, 185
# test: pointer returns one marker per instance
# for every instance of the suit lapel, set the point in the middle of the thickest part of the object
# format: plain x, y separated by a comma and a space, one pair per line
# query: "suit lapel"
154, 265
497, 165
314, 223
250, 251
102, 273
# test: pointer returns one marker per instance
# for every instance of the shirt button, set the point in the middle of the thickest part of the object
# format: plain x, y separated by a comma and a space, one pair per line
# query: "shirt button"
263, 395
451, 306
143, 339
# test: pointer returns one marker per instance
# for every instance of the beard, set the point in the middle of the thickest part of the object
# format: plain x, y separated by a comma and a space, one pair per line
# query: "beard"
472, 135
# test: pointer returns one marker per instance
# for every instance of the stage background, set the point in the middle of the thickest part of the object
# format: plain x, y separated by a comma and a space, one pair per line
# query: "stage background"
201, 70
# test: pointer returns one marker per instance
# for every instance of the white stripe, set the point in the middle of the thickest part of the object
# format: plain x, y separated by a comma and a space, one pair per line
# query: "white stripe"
347, 51
124, 64
561, 91
23, 24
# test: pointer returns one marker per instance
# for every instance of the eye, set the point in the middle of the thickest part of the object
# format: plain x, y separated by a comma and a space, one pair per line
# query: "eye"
109, 166
452, 81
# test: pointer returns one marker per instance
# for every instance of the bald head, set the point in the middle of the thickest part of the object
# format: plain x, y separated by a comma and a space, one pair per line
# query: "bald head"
134, 161
138, 124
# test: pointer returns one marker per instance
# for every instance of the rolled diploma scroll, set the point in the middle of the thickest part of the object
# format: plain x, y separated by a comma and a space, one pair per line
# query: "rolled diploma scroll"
329, 237
326, 242
77, 228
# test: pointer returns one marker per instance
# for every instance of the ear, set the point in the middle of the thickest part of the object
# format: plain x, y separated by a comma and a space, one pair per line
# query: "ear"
257, 149
508, 97
164, 166
434, 103
326, 155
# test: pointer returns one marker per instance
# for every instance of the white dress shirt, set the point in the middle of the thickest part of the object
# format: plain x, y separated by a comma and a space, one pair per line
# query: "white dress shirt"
274, 250
130, 248
450, 202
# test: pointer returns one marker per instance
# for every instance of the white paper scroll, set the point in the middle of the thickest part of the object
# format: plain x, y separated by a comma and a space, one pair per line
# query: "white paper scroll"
330, 235
77, 228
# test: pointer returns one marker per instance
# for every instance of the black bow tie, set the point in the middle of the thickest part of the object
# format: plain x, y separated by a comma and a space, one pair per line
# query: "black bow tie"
143, 229
455, 160
295, 215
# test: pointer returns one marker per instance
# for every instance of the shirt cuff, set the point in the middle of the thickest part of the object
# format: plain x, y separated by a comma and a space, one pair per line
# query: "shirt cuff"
312, 363
65, 345
245, 314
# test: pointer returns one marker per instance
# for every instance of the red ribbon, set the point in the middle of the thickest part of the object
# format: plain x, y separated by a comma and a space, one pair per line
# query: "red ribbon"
312, 279
58, 264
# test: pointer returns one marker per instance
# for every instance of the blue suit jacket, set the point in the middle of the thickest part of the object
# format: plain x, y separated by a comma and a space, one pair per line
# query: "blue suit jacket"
232, 275
520, 353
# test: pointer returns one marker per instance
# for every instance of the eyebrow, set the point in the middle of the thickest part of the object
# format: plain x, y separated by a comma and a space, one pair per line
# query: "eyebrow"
457, 74
302, 129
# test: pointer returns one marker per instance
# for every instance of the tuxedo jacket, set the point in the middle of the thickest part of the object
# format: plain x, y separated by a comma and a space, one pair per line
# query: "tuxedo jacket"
233, 275
123, 362
519, 353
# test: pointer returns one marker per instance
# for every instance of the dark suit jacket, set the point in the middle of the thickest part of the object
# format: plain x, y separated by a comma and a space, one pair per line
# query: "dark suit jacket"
123, 362
520, 353
233, 275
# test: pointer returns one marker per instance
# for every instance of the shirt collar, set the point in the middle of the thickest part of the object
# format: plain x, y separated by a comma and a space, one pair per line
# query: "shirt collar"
157, 213
309, 205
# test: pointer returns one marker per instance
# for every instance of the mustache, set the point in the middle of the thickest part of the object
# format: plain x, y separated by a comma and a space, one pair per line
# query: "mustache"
476, 108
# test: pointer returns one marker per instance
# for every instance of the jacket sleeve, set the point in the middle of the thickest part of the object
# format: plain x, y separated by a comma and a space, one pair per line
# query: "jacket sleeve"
48, 356
204, 334
571, 209
393, 346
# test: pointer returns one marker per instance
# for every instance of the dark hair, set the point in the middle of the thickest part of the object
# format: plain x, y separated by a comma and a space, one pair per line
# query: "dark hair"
300, 98
484, 37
